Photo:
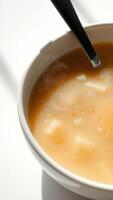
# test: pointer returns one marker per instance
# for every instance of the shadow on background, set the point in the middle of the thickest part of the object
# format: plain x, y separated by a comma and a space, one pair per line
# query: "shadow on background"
51, 190
86, 14
7, 76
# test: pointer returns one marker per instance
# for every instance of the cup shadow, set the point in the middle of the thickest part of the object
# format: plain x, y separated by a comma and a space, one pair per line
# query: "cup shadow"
8, 77
51, 190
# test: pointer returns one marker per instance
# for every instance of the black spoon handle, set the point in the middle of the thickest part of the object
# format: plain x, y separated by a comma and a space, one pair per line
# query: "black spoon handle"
69, 14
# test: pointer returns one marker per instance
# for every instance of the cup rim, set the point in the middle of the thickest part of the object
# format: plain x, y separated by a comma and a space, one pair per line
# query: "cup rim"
74, 178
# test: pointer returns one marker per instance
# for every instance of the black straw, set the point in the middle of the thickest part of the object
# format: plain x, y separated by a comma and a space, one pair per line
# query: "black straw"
69, 14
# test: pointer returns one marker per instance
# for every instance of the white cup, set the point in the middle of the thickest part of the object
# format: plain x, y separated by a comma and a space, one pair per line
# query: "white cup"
52, 51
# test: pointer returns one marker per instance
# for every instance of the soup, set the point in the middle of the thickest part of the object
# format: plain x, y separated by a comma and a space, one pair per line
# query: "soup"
71, 113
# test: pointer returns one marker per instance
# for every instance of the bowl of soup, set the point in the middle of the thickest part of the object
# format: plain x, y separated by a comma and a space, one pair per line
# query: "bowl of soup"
66, 112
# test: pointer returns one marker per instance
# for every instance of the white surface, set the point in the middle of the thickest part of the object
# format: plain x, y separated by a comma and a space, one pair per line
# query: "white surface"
25, 26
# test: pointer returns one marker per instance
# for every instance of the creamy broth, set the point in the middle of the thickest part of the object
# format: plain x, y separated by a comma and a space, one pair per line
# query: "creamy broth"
71, 113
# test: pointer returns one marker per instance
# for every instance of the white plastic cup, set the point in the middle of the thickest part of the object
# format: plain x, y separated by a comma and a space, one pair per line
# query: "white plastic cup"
51, 52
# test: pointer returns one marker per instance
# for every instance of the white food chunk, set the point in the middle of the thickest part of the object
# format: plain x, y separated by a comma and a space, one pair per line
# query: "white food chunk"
84, 149
97, 85
51, 126
84, 142
65, 97
81, 77
77, 120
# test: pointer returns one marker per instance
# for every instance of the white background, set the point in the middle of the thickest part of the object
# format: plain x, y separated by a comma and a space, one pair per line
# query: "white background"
25, 26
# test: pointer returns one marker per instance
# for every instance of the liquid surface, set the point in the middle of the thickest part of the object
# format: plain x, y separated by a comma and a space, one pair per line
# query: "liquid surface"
71, 114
